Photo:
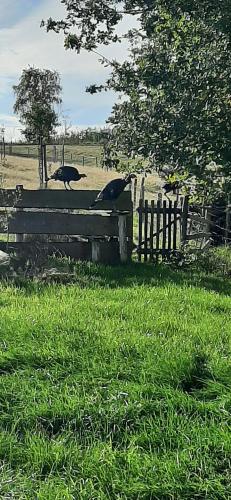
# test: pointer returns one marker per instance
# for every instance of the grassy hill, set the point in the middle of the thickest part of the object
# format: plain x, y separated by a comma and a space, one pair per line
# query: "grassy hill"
116, 386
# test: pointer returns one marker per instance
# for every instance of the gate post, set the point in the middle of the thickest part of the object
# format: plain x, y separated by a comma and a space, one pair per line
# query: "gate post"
184, 220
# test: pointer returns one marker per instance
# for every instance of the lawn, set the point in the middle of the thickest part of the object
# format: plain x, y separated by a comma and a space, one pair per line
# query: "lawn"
116, 386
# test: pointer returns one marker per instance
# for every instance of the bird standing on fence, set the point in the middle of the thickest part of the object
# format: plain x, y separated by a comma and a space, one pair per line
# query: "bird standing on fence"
66, 174
172, 186
113, 190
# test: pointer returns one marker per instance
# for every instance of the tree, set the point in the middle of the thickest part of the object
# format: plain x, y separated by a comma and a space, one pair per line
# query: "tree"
176, 83
37, 94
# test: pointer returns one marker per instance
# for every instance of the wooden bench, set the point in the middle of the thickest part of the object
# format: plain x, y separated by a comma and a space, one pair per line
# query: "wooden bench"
96, 235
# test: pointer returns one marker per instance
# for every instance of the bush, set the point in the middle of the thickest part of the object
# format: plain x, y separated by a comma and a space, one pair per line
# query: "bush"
216, 260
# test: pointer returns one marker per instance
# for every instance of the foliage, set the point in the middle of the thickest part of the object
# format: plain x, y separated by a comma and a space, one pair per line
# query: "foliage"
176, 80
99, 400
37, 94
216, 260
87, 136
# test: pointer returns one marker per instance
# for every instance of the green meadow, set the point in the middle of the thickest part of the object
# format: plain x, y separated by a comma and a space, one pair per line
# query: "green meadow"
116, 385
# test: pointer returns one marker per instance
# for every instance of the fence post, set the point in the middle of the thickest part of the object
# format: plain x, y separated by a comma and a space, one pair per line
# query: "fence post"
184, 220
40, 162
19, 237
95, 251
45, 166
142, 188
63, 154
122, 225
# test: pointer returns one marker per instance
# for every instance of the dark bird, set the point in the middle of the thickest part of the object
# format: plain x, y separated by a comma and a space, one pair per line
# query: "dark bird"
113, 190
172, 186
66, 174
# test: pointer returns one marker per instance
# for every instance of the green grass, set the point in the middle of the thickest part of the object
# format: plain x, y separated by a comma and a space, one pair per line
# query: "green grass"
116, 386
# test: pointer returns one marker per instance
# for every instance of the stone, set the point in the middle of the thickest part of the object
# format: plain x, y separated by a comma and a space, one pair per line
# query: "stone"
5, 263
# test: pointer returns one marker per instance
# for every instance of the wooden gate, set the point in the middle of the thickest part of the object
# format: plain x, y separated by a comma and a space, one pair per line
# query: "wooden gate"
162, 228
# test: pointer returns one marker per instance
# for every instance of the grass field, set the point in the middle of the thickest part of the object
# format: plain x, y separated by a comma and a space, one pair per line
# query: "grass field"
91, 153
116, 386
17, 170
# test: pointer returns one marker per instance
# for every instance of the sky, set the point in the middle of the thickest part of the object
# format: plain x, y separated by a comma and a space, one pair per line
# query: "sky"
23, 43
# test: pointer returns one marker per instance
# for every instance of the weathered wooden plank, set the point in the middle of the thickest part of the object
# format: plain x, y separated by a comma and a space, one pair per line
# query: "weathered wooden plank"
76, 250
53, 198
167, 210
197, 236
197, 218
108, 250
62, 223
161, 251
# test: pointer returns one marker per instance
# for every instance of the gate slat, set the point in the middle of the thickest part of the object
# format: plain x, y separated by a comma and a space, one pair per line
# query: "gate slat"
175, 227
146, 231
152, 229
158, 230
170, 226
140, 212
164, 225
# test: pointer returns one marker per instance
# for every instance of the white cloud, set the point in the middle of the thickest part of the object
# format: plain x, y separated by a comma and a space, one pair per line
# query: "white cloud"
25, 43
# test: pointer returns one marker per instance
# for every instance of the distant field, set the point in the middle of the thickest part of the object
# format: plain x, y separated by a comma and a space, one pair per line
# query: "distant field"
20, 170
83, 154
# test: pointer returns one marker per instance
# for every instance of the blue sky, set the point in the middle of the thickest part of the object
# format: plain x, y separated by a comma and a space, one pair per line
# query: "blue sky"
24, 43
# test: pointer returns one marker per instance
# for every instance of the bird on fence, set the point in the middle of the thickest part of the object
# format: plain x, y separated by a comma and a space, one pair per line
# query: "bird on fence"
113, 190
66, 175
171, 186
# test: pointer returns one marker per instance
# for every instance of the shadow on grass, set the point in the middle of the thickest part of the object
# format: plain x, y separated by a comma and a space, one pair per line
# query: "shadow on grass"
89, 275
138, 274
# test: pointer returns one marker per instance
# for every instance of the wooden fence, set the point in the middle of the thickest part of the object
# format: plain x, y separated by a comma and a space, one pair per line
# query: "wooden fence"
97, 235
165, 227
162, 228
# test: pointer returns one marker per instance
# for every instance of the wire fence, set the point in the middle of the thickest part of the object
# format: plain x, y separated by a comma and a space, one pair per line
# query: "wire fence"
54, 154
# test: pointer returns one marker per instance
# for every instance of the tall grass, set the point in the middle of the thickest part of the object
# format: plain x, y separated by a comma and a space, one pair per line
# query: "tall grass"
116, 386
